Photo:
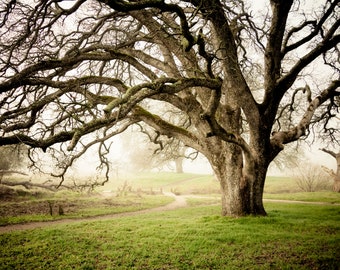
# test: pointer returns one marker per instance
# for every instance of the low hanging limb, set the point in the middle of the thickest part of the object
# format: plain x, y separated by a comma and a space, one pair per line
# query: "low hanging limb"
26, 184
2, 172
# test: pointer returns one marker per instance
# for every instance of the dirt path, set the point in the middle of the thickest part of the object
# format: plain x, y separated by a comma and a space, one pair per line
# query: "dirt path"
180, 201
301, 202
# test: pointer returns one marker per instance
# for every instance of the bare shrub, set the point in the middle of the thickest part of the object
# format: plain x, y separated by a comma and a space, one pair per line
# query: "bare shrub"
311, 178
124, 189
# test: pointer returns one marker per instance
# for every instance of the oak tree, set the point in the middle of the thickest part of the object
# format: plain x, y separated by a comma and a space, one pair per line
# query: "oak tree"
74, 74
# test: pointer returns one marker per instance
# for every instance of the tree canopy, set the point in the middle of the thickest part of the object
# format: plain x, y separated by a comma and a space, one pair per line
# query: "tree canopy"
236, 84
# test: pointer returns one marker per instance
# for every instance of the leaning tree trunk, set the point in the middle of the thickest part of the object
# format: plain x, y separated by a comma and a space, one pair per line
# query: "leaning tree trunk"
335, 175
336, 184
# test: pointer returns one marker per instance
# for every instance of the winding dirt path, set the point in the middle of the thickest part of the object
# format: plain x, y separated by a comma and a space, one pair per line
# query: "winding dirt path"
180, 201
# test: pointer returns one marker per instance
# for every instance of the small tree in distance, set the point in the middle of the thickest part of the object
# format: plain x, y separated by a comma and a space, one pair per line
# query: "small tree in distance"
72, 76
151, 151
12, 157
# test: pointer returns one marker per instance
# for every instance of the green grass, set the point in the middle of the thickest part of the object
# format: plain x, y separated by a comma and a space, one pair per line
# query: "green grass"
293, 236
280, 184
183, 183
321, 196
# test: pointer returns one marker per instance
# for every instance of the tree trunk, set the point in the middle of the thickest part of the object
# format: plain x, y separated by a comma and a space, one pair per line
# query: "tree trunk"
241, 183
179, 165
242, 194
336, 184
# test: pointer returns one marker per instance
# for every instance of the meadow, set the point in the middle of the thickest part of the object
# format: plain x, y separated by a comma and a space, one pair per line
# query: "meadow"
292, 236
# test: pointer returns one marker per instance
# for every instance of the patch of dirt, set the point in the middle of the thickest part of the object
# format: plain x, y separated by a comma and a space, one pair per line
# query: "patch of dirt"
24, 208
8, 194
46, 207
18, 202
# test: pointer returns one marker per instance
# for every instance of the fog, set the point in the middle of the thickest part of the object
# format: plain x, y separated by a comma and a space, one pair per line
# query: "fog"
120, 165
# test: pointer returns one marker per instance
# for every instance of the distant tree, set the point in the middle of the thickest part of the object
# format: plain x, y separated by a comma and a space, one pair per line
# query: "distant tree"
169, 150
12, 157
335, 175
137, 152
153, 151
72, 76
5, 160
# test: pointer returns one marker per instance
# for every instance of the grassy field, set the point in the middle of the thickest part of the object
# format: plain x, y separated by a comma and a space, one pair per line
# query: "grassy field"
188, 183
165, 181
142, 191
293, 236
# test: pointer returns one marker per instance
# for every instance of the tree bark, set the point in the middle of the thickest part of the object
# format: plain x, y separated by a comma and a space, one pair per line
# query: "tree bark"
241, 193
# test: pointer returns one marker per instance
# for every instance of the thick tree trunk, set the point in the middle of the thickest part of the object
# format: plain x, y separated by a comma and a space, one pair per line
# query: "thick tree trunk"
256, 191
241, 194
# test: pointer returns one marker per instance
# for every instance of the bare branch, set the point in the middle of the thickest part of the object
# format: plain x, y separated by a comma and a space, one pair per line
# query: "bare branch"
333, 154
284, 137
71, 78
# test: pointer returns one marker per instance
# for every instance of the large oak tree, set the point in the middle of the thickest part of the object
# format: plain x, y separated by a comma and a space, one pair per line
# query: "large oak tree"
235, 77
